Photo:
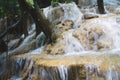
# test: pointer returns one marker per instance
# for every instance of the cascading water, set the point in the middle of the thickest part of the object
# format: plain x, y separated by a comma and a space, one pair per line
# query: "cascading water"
72, 44
63, 72
63, 12
112, 75
100, 35
89, 48
112, 2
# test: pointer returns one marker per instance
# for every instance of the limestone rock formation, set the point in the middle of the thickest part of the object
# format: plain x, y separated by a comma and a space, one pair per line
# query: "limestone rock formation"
63, 26
57, 48
79, 67
94, 35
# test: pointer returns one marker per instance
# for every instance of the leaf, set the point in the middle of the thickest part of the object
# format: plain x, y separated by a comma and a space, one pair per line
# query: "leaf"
54, 1
31, 3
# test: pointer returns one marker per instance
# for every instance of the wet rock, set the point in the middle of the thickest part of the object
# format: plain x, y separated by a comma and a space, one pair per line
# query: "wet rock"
34, 77
117, 10
6, 75
77, 72
81, 35
110, 9
68, 11
113, 9
103, 44
77, 67
63, 26
89, 16
96, 35
57, 48
56, 14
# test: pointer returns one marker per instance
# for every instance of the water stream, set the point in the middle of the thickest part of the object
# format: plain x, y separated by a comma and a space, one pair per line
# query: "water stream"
102, 36
93, 42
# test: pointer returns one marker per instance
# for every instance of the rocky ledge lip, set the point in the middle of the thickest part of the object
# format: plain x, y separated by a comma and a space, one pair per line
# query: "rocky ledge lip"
68, 67
103, 61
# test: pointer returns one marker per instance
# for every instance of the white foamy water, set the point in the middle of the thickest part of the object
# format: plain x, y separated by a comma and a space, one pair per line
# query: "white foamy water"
72, 44
112, 2
15, 78
63, 72
109, 37
91, 69
68, 11
37, 51
108, 75
107, 34
88, 3
112, 75
111, 31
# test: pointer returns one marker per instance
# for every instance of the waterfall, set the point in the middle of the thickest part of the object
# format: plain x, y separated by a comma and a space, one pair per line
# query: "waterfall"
112, 2
63, 72
94, 71
66, 11
63, 12
98, 36
88, 3
91, 70
111, 75
89, 50
72, 44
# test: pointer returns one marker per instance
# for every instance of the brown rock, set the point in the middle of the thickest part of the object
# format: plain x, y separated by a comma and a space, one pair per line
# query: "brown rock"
77, 67
103, 44
90, 15
64, 26
57, 48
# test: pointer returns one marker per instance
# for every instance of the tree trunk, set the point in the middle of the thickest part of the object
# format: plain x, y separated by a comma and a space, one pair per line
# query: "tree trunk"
3, 46
24, 21
44, 3
42, 24
24, 18
101, 6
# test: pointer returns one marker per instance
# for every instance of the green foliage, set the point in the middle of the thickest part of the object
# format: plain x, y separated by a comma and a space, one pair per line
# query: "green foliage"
55, 0
31, 3
9, 7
